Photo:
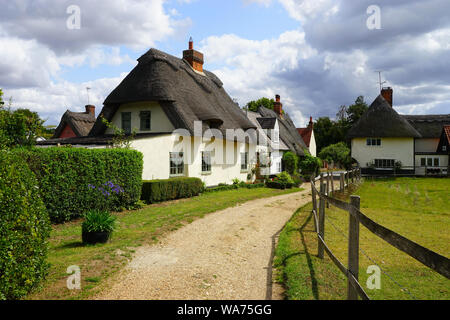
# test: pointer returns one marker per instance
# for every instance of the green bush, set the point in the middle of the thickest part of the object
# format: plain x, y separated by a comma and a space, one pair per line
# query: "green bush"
224, 187
24, 229
170, 189
310, 166
339, 153
290, 161
282, 181
66, 177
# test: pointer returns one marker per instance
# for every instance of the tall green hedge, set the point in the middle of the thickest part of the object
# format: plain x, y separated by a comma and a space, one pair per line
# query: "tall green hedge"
170, 189
24, 228
74, 180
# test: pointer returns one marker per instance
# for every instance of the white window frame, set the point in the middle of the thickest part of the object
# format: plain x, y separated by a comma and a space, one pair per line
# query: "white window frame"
206, 167
176, 169
244, 161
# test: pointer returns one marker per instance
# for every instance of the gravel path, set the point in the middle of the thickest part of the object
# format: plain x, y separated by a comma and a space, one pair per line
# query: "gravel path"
225, 255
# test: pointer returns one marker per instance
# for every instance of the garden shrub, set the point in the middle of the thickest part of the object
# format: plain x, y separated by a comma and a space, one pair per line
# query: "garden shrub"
170, 189
282, 181
24, 229
224, 187
67, 176
310, 166
290, 161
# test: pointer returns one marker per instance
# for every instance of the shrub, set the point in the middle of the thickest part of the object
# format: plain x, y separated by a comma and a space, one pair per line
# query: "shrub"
339, 153
24, 229
170, 189
98, 221
310, 165
290, 162
66, 176
282, 181
224, 187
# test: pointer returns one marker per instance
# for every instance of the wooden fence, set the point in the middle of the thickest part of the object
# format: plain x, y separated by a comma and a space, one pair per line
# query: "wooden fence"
427, 257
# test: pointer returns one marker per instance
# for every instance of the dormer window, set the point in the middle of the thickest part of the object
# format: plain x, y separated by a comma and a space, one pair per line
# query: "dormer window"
146, 119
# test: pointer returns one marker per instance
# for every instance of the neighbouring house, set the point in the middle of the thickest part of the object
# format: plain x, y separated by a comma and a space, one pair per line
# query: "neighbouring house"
308, 137
180, 117
75, 124
383, 140
279, 130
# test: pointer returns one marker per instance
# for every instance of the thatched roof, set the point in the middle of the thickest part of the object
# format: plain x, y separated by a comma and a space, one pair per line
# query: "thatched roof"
429, 126
267, 123
80, 122
256, 119
185, 95
98, 140
381, 120
288, 132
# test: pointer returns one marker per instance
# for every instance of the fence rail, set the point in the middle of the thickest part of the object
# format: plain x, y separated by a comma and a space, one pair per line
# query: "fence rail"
427, 257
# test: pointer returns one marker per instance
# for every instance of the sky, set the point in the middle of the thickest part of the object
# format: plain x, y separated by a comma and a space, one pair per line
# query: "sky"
317, 54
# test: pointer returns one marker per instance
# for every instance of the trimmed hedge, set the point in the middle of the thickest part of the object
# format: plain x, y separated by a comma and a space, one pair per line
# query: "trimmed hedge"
224, 187
24, 229
73, 181
176, 188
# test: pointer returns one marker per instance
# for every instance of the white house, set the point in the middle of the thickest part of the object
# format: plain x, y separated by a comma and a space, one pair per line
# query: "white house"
185, 124
309, 137
383, 140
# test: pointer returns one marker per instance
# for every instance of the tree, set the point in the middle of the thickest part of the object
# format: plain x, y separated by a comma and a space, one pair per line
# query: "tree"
265, 102
290, 160
310, 165
1, 98
339, 153
356, 110
19, 128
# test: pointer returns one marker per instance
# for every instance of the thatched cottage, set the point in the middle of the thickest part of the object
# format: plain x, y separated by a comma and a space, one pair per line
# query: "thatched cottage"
185, 124
75, 124
383, 140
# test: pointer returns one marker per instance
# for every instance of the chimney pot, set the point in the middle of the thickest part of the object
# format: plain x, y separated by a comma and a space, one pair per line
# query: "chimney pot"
387, 94
277, 98
193, 57
191, 44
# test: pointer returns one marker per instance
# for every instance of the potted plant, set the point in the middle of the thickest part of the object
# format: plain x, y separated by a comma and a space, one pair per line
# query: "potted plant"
97, 226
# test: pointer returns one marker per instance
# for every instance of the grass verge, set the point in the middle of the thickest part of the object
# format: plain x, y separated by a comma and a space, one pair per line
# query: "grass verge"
135, 228
417, 208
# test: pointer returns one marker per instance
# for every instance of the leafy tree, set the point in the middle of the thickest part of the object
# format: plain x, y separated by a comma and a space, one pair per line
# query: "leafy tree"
356, 110
310, 165
1, 98
19, 128
339, 153
265, 102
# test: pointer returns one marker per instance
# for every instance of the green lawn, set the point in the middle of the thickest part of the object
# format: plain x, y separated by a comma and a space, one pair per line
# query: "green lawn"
135, 228
417, 208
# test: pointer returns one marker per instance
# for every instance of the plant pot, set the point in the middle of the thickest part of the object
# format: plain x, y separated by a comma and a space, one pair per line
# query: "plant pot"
95, 237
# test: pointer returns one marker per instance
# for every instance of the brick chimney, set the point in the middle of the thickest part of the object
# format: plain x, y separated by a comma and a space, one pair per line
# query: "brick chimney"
90, 109
278, 106
311, 123
387, 94
193, 57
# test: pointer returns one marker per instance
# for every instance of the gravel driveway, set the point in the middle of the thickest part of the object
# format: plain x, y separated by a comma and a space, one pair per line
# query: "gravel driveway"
225, 255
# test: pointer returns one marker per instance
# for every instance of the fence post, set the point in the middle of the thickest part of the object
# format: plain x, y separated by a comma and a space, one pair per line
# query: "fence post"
332, 183
353, 176
321, 226
347, 178
353, 247
313, 194
328, 187
341, 182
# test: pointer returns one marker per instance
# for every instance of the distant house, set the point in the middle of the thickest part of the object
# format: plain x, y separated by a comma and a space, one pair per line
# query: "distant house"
164, 94
309, 138
383, 140
279, 135
75, 124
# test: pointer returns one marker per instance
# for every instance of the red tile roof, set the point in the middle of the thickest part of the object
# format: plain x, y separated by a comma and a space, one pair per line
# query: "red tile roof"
306, 134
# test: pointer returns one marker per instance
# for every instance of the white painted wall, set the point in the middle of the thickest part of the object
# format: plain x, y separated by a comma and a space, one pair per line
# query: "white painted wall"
399, 149
159, 120
312, 145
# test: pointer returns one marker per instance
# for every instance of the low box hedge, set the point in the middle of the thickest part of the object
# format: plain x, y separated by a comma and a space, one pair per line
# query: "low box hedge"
170, 189
73, 181
224, 187
24, 229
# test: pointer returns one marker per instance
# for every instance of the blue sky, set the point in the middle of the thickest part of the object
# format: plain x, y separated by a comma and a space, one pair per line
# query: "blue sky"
317, 54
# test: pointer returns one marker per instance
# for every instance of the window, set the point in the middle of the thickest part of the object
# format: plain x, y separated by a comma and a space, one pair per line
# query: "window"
444, 148
279, 167
146, 117
423, 162
384, 163
429, 162
206, 161
373, 142
126, 122
436, 162
244, 160
176, 163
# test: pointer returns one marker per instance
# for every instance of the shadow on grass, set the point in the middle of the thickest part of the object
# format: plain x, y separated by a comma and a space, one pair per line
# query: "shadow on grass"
71, 245
312, 272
